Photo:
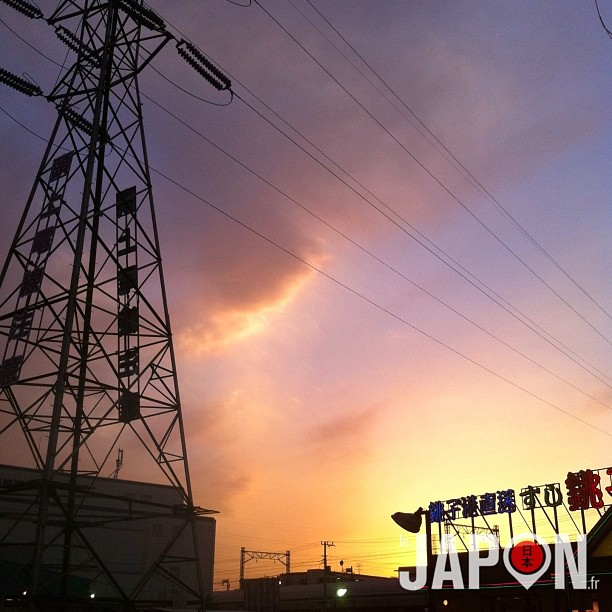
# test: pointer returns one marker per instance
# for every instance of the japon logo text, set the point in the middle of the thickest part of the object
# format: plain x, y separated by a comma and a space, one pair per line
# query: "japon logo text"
526, 556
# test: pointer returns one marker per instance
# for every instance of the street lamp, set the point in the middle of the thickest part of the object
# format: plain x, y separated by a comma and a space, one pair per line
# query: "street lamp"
412, 521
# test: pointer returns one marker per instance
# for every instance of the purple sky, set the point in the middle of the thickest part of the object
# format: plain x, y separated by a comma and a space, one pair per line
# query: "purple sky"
321, 398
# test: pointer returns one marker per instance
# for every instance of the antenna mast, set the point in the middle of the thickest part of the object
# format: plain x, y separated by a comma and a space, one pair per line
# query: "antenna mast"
118, 463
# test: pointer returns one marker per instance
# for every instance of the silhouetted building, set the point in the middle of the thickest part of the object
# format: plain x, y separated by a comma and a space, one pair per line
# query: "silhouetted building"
126, 548
306, 591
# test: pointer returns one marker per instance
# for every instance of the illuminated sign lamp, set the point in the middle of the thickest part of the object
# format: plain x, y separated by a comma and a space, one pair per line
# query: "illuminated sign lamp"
410, 521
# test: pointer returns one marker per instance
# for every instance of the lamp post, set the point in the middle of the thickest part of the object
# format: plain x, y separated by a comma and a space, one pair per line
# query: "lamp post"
412, 521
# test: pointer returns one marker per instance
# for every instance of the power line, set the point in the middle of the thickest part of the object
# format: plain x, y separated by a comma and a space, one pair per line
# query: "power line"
494, 296
384, 263
249, 228
30, 45
363, 297
433, 176
370, 253
25, 127
424, 242
372, 302
189, 93
74, 319
240, 4
442, 148
434, 250
603, 23
375, 304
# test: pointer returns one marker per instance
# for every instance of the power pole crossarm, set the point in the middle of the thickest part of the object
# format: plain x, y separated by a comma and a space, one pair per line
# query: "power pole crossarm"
248, 555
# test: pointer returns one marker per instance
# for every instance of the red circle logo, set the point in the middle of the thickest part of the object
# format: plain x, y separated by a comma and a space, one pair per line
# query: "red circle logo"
527, 557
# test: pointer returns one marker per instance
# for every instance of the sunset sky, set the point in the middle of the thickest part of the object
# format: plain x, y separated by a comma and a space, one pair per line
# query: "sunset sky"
391, 330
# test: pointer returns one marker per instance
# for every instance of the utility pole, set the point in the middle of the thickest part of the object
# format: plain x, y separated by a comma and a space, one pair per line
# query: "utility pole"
86, 351
325, 545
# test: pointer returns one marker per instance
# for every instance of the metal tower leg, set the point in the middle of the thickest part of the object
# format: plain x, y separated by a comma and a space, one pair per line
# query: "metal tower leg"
86, 355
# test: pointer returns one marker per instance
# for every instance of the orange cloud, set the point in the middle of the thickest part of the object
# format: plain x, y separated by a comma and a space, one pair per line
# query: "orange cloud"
233, 285
229, 325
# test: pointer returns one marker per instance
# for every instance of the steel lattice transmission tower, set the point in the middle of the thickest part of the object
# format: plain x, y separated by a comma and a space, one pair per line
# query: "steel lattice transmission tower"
87, 361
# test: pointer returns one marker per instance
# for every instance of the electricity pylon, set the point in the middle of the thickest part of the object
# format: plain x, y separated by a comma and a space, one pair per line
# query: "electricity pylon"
86, 355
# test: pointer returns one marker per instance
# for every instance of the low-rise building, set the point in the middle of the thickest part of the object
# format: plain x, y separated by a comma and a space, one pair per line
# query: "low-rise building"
129, 537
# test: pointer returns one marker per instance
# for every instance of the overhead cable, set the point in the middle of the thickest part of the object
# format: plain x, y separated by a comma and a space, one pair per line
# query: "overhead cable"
443, 149
566, 352
375, 304
371, 254
437, 180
